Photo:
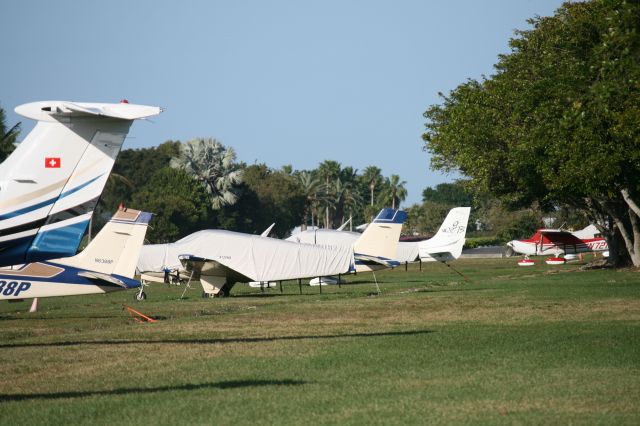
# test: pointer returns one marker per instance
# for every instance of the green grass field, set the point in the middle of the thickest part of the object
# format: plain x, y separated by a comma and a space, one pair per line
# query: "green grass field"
541, 345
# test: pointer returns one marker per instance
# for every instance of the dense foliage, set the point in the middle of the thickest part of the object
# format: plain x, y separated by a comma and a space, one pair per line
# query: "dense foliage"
199, 185
558, 124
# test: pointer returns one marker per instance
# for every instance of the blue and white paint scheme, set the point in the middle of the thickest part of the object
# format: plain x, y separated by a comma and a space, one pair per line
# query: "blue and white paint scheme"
51, 182
107, 264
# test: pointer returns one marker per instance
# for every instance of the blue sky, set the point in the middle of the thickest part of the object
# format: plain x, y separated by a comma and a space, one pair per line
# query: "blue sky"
282, 82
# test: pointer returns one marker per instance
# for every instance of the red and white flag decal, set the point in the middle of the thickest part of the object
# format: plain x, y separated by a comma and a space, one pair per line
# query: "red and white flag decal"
52, 162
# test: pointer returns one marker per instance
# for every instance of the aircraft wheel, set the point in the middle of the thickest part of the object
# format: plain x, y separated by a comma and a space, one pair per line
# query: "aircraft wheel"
141, 296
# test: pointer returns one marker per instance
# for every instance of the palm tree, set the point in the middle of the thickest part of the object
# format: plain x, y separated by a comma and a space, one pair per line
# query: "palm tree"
329, 170
310, 187
395, 190
352, 201
214, 165
372, 177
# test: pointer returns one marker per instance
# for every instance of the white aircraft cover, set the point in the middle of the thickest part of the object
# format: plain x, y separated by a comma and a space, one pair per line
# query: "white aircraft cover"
326, 237
407, 251
258, 258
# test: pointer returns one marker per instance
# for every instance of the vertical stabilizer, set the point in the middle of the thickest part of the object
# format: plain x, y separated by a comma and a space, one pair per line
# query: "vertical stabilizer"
116, 248
380, 239
51, 182
448, 242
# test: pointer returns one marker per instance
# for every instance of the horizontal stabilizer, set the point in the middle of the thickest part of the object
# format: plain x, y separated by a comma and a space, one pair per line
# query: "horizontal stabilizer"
124, 111
387, 263
110, 279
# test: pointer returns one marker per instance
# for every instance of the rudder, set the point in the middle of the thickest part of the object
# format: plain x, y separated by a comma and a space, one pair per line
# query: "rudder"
381, 237
116, 248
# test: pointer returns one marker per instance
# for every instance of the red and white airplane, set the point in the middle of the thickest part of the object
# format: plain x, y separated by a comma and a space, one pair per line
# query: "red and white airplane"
558, 241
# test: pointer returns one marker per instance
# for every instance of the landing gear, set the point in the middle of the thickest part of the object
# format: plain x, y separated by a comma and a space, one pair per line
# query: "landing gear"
140, 294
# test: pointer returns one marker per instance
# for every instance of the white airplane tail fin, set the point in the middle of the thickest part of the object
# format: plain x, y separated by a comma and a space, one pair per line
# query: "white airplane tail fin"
380, 239
448, 242
116, 248
267, 231
51, 182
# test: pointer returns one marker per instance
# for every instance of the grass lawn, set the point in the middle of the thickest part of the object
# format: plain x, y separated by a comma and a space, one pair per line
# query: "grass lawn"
540, 345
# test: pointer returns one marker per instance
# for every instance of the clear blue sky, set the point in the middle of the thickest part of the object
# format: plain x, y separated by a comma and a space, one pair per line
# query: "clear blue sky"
282, 82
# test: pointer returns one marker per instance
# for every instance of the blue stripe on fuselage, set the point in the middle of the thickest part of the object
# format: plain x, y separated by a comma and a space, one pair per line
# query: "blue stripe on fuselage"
47, 202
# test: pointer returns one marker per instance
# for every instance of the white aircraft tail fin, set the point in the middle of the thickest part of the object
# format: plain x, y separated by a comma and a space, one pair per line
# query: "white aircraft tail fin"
267, 231
380, 239
448, 242
51, 182
344, 225
116, 248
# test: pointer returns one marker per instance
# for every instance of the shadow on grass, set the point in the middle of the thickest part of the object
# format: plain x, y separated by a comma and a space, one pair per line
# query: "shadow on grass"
231, 384
211, 341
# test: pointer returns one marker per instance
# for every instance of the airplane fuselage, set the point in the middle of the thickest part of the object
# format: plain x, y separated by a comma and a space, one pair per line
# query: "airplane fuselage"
557, 242
46, 279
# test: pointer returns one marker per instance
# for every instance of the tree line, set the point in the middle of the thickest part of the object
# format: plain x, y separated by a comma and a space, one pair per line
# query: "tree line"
199, 184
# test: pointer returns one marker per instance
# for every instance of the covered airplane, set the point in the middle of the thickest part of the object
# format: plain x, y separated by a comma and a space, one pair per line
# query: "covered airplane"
445, 245
558, 241
107, 264
51, 182
221, 258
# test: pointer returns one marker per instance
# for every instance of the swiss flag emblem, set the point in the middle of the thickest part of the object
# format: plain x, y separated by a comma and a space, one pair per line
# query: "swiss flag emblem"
52, 162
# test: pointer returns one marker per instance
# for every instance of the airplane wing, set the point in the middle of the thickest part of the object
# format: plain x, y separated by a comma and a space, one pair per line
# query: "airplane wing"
106, 278
203, 268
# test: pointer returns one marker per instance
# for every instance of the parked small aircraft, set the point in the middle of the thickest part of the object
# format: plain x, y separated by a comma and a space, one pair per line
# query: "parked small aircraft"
558, 241
107, 264
445, 245
51, 182
221, 258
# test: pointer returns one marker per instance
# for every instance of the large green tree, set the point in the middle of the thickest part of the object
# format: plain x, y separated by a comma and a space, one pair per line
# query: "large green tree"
453, 194
179, 202
558, 123
279, 197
